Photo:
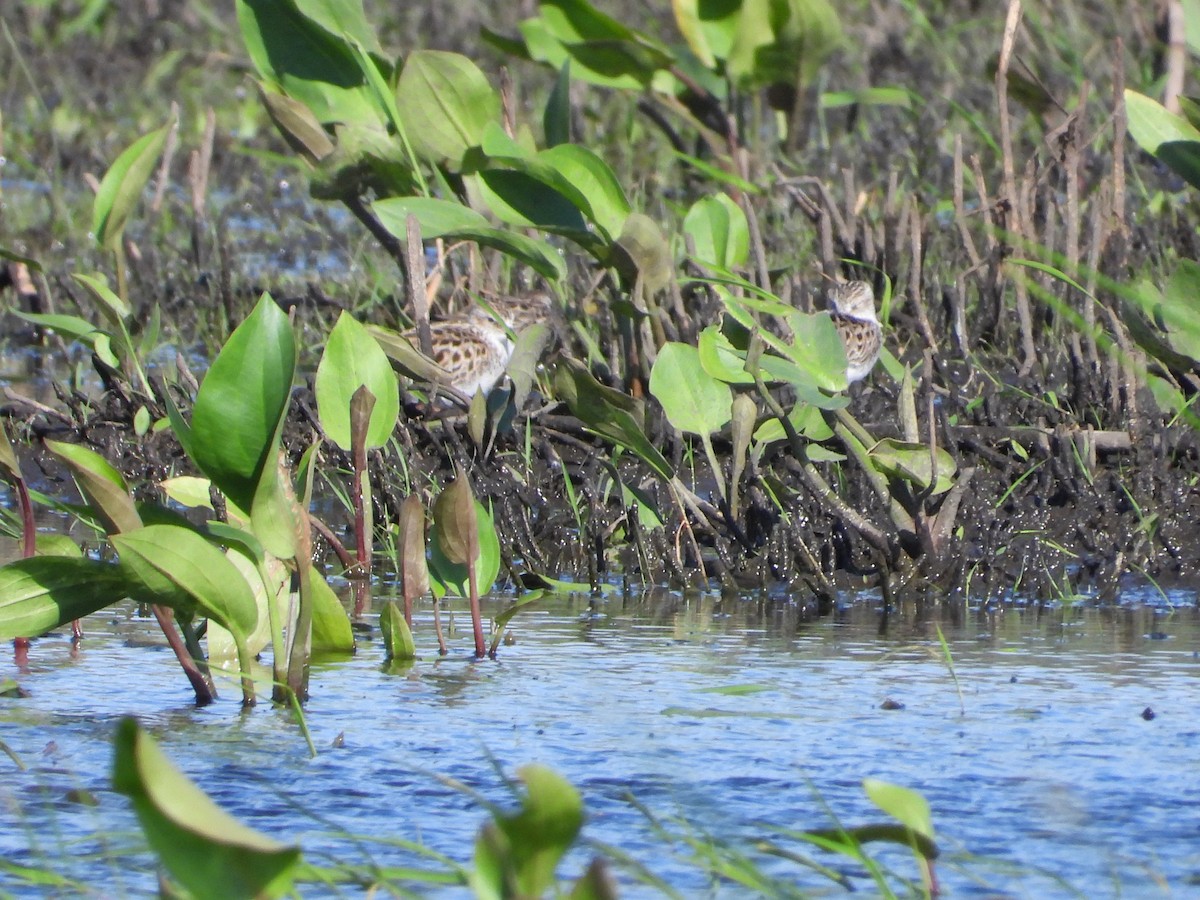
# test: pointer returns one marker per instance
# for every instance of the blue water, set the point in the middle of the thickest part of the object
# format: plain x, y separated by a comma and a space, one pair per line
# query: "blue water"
1045, 782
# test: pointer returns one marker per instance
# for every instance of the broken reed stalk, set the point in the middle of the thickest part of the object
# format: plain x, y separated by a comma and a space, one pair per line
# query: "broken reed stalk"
1013, 221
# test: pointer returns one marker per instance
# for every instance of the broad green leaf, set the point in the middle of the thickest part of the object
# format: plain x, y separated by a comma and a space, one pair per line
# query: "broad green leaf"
451, 577
122, 187
806, 419
310, 64
275, 516
195, 567
397, 636
606, 204
903, 804
211, 854
1180, 310
58, 545
353, 359
1169, 137
693, 400
719, 231
816, 350
453, 221
445, 102
342, 17
242, 401
101, 484
331, 631
43, 592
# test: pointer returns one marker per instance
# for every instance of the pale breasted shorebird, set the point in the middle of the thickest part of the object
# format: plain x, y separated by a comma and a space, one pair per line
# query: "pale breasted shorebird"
852, 307
474, 349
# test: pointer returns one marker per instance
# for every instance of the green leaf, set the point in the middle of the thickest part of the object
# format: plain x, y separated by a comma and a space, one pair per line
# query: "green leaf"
1169, 137
719, 231
445, 102
331, 631
526, 846
310, 64
609, 413
44, 592
114, 308
556, 119
782, 41
693, 400
708, 26
903, 804
122, 187
193, 566
605, 203
912, 462
188, 490
72, 327
101, 484
247, 555
211, 854
453, 221
647, 251
243, 400
353, 359
817, 351
397, 637
341, 17
451, 576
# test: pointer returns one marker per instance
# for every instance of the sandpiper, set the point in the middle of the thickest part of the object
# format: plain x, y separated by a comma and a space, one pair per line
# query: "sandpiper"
474, 348
852, 307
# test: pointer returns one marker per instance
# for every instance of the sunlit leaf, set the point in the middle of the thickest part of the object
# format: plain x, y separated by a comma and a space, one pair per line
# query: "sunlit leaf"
719, 231
692, 399
242, 401
102, 485
1165, 135
903, 804
397, 637
122, 186
444, 101
44, 592
353, 359
527, 845
331, 631
211, 854
193, 566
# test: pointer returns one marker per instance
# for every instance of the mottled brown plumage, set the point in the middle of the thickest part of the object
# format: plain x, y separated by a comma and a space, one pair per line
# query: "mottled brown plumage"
474, 348
852, 307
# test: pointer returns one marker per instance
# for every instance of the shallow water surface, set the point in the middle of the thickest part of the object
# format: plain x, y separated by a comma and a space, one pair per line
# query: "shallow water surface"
724, 719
